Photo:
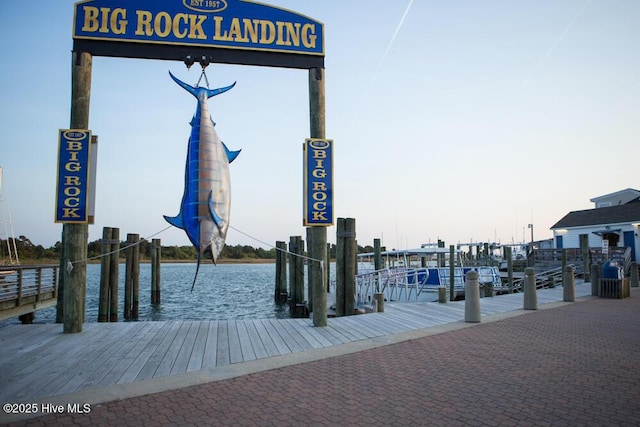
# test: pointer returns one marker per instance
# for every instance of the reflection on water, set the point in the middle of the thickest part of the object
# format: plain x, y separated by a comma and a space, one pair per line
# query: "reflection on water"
225, 291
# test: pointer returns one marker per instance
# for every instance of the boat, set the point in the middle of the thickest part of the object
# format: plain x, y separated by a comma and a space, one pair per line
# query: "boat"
6, 235
416, 275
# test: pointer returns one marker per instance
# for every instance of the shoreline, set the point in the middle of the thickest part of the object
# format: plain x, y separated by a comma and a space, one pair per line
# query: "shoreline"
163, 261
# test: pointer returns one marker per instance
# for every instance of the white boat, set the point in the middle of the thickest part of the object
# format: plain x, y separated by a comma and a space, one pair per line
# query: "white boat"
416, 275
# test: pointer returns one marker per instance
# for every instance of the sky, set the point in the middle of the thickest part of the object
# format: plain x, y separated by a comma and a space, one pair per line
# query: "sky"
459, 120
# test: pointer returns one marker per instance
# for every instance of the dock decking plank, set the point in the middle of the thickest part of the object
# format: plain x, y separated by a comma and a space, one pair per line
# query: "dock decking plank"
235, 349
278, 337
132, 372
91, 368
196, 360
306, 326
258, 344
246, 345
149, 330
29, 374
223, 355
186, 349
210, 357
171, 353
267, 340
153, 362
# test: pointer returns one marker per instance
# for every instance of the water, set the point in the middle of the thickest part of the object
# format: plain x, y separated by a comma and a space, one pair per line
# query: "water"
225, 291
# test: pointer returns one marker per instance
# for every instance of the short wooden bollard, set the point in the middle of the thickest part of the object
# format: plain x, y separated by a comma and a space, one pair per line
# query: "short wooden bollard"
568, 284
472, 312
530, 295
633, 276
442, 294
379, 301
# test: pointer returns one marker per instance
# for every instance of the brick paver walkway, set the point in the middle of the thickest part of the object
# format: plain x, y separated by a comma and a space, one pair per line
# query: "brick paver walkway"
577, 364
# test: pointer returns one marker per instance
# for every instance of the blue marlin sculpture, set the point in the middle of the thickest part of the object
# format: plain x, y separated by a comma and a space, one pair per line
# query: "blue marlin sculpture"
206, 202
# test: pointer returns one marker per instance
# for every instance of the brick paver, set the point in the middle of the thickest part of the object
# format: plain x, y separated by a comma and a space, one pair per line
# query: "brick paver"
577, 364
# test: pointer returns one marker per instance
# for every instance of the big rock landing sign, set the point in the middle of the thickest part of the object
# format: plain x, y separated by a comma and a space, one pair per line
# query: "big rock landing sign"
231, 27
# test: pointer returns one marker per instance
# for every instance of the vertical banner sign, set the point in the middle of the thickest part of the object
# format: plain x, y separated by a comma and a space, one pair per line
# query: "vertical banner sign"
73, 176
318, 182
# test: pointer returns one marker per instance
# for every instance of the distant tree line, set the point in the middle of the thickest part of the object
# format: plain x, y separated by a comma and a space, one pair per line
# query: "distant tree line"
28, 251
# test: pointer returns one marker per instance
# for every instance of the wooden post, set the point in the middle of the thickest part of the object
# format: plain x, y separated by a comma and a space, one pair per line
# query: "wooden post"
340, 267
296, 273
310, 270
114, 275
75, 236
317, 248
487, 256
327, 275
509, 255
529, 286
350, 259
135, 277
377, 254
568, 284
584, 245
452, 272
128, 277
472, 313
280, 294
156, 263
103, 303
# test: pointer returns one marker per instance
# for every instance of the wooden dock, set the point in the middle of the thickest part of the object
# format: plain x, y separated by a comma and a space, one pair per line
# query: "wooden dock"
39, 362
27, 288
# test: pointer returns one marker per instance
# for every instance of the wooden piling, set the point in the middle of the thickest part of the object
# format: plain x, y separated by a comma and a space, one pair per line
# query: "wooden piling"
296, 273
114, 274
377, 254
133, 273
340, 267
311, 270
346, 255
351, 262
103, 302
156, 262
132, 277
584, 245
280, 293
452, 272
317, 249
75, 236
509, 255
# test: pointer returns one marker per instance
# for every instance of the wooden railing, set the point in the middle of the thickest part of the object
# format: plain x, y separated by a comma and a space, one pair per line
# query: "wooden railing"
551, 258
27, 288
